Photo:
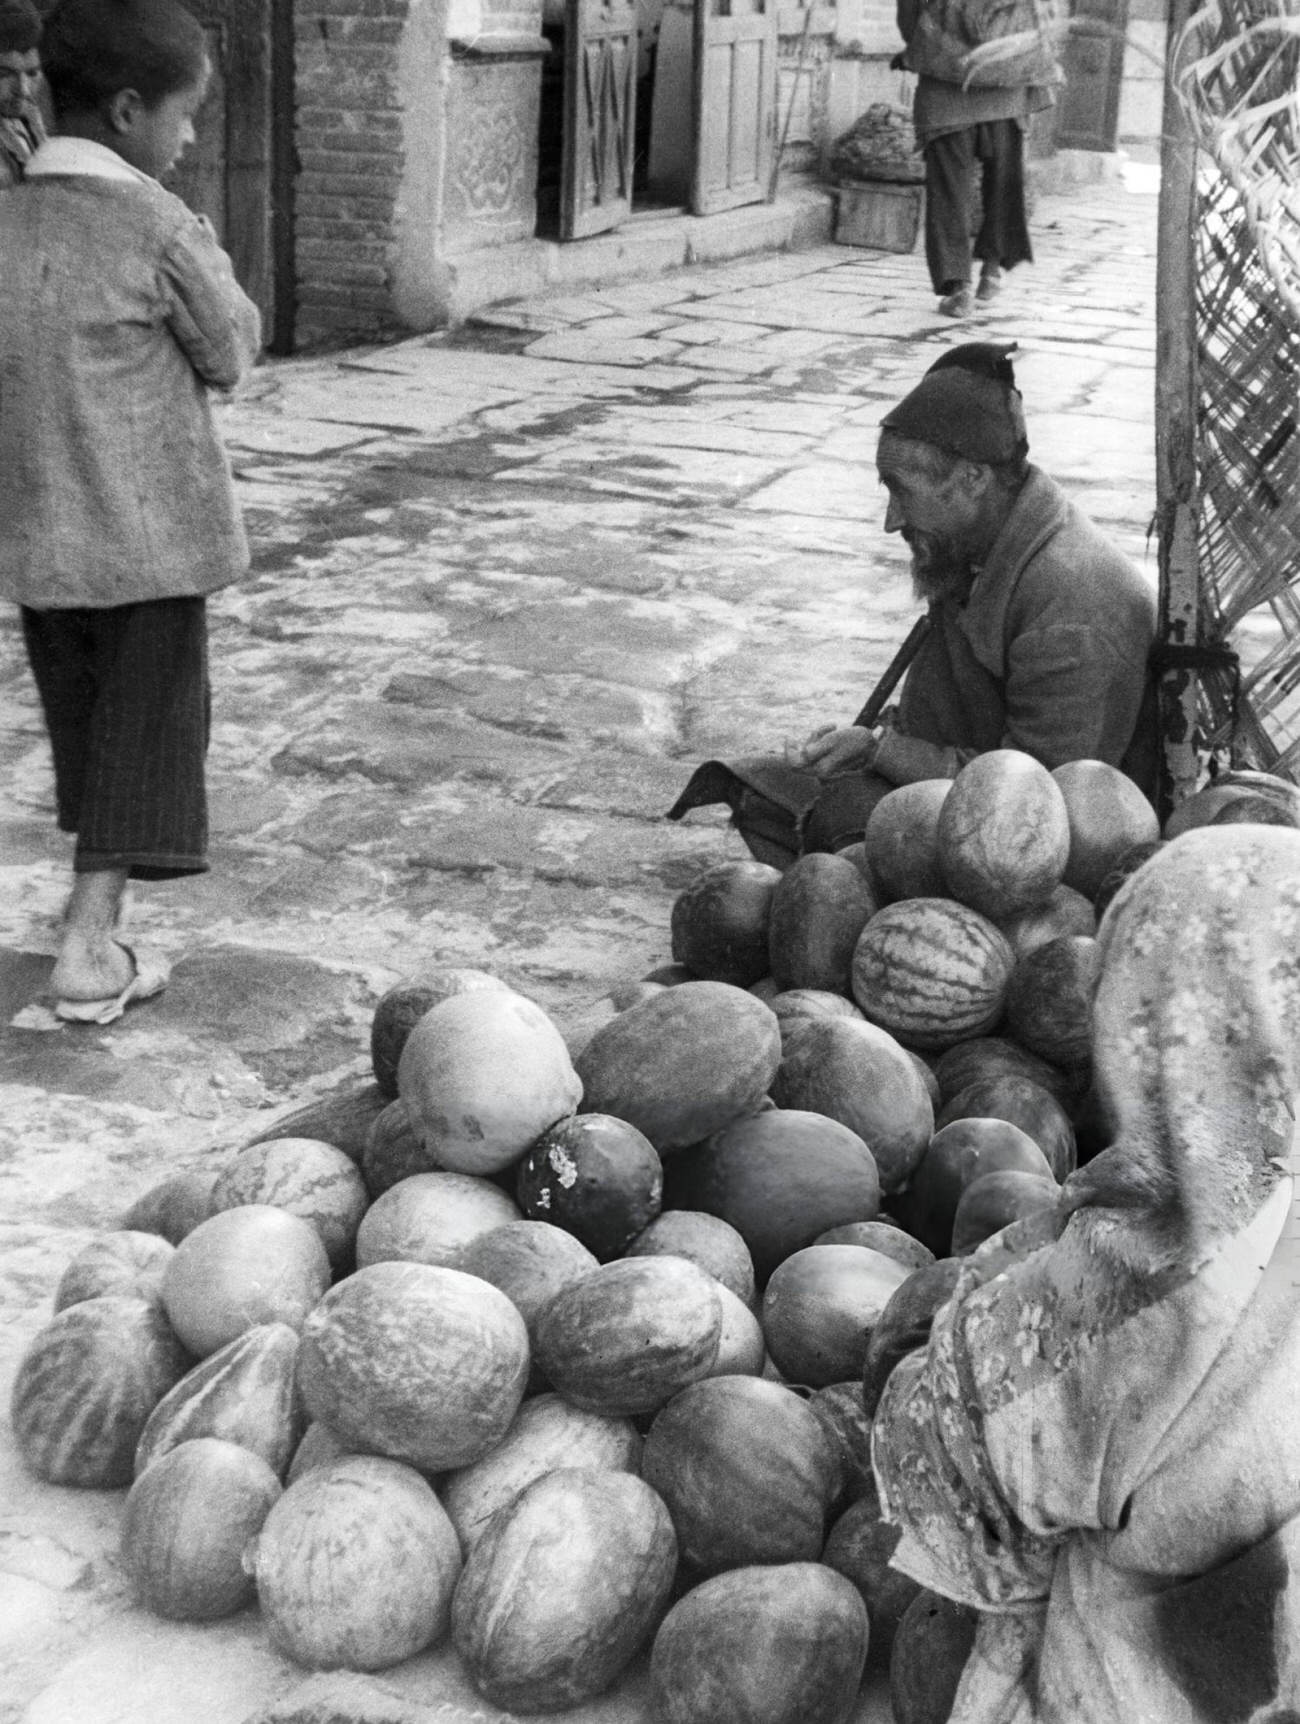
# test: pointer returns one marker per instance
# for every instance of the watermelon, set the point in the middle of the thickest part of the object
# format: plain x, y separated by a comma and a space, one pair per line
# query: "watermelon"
819, 907
720, 923
1004, 834
961, 1152
902, 840
779, 1179
1020, 1102
994, 1201
431, 1218
742, 1349
402, 1007
255, 1264
683, 1064
932, 972
784, 1643
305, 1177
1065, 912
820, 1307
342, 1119
186, 1524
424, 1364
859, 1547
244, 1393
747, 1470
714, 1244
625, 1338
932, 1643
483, 1074
992, 1056
86, 1386
127, 1263
356, 1565
844, 1417
319, 1446
172, 1208
597, 1177
855, 1073
1049, 1000
884, 1236
905, 1324
394, 1150
1108, 815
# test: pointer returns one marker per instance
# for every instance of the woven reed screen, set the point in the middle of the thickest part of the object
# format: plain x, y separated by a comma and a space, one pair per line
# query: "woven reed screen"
1239, 78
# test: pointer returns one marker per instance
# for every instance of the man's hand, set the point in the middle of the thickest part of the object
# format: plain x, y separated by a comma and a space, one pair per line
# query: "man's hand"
829, 752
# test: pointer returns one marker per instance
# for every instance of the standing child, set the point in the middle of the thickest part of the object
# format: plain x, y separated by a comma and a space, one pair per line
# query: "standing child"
119, 313
21, 129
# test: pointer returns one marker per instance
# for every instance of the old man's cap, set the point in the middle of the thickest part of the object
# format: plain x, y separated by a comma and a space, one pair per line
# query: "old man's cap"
20, 27
967, 404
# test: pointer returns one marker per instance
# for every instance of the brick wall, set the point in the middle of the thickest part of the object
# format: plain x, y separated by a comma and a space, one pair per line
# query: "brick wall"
349, 137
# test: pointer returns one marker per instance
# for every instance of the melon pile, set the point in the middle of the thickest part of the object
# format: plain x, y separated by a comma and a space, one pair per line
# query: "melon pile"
565, 1359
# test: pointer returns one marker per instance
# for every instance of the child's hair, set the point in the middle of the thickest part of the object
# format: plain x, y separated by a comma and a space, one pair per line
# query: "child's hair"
93, 49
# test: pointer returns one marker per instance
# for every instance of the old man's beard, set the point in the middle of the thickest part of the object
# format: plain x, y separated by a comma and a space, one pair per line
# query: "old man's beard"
941, 567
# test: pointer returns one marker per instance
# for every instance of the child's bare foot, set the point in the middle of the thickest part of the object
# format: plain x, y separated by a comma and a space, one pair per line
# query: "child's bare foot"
84, 971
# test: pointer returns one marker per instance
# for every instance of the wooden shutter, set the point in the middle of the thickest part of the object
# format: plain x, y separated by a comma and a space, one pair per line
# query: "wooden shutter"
599, 116
735, 102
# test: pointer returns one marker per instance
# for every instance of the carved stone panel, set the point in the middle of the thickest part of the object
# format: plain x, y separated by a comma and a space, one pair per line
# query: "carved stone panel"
491, 185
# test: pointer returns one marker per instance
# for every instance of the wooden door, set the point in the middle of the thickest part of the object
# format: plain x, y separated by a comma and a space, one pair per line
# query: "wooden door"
1088, 106
599, 116
735, 103
238, 171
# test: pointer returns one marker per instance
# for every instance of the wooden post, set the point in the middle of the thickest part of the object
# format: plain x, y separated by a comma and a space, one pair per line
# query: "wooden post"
1177, 501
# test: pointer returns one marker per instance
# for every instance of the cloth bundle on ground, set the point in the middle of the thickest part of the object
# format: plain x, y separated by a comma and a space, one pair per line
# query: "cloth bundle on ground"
1099, 1450
879, 145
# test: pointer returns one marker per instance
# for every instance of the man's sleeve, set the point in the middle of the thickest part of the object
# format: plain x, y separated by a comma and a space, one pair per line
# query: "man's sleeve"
215, 323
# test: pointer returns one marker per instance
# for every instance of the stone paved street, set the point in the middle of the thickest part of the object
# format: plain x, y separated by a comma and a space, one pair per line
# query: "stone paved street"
510, 584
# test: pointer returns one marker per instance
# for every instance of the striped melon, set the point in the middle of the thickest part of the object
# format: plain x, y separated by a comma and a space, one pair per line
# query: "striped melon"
902, 839
243, 1393
932, 972
127, 1263
304, 1176
1004, 833
86, 1386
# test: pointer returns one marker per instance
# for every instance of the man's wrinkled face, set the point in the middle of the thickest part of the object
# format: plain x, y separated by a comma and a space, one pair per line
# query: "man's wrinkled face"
936, 513
20, 74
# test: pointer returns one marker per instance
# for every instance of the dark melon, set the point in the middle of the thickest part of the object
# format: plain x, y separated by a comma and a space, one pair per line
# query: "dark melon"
820, 1307
1020, 1102
342, 1119
1049, 1000
859, 1547
993, 1202
402, 1007
819, 907
720, 923
1127, 865
881, 1235
992, 1056
394, 1150
1108, 815
1065, 912
780, 1179
959, 1154
597, 1177
127, 1263
844, 1416
902, 840
856, 1073
683, 1064
931, 1646
905, 1324
172, 1208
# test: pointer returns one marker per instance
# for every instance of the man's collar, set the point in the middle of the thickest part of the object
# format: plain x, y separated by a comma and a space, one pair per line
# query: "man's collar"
82, 158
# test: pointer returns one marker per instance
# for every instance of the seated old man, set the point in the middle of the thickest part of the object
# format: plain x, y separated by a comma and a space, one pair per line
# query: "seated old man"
1036, 636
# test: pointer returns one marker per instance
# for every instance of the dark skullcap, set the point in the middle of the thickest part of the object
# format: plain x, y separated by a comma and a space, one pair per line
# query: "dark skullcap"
20, 27
968, 404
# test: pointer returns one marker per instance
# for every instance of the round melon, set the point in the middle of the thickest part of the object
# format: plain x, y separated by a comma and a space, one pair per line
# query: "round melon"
820, 906
1108, 815
747, 1470
86, 1386
670, 975
779, 1179
431, 1218
423, 1364
394, 1150
244, 1393
742, 1349
632, 993
1254, 811
529, 1261
932, 972
547, 1434
961, 1152
843, 1416
597, 1177
720, 923
127, 1263
1020, 1102
1004, 834
255, 1264
174, 1207
784, 1643
319, 1446
995, 1201
856, 1073
714, 1244
483, 1075
341, 1118
905, 1324
902, 839
1049, 1000
1065, 912
625, 1338
356, 1565
545, 1622
684, 1064
1207, 803
932, 1643
820, 1307
796, 1004
883, 1236
186, 1524
305, 1177
993, 1056
402, 1007
859, 1547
